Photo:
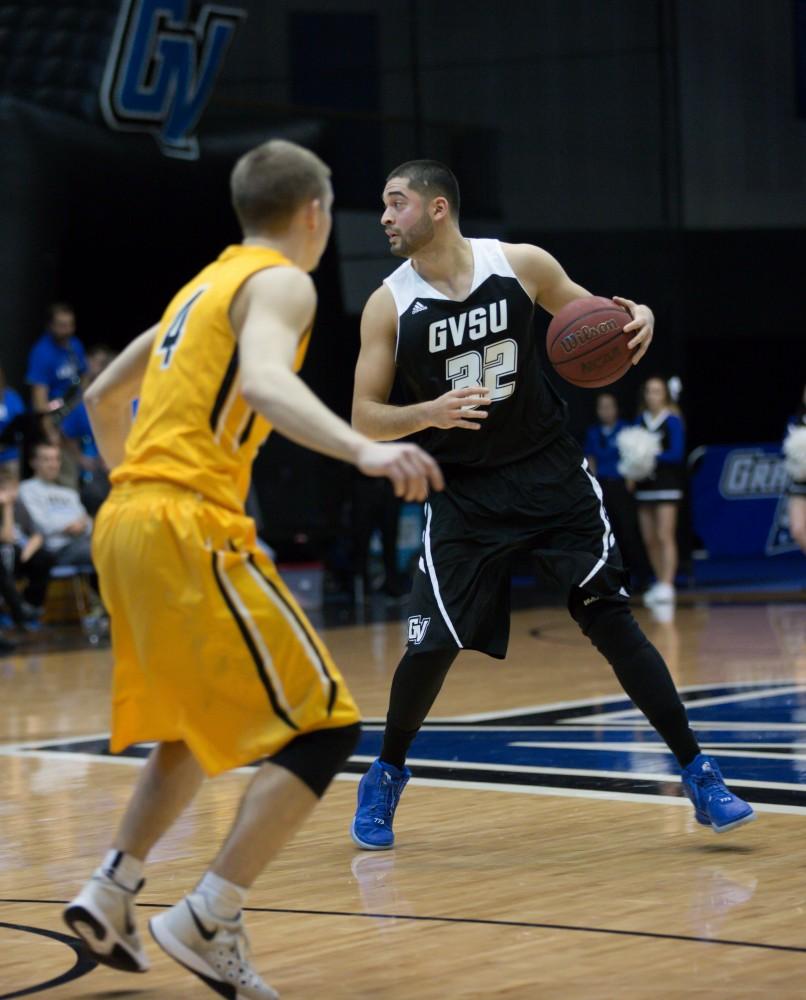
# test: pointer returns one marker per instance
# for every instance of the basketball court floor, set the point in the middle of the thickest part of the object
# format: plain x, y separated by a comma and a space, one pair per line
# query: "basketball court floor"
544, 851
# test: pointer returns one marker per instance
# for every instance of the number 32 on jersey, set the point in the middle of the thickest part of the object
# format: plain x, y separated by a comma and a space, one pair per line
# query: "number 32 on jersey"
499, 360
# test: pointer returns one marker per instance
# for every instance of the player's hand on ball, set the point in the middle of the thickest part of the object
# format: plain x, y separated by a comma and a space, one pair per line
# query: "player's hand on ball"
412, 472
643, 323
458, 408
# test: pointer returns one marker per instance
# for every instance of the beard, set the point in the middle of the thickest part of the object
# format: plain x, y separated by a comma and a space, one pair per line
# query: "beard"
420, 235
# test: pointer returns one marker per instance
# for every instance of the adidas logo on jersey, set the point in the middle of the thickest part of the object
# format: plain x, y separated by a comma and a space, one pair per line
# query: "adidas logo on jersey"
418, 307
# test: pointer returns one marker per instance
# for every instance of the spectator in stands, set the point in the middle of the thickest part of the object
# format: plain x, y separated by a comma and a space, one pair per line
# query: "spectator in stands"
80, 442
795, 450
600, 438
659, 495
56, 364
603, 458
56, 511
22, 556
12, 411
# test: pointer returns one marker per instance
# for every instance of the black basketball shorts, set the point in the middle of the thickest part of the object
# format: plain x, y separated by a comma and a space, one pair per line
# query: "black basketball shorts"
547, 504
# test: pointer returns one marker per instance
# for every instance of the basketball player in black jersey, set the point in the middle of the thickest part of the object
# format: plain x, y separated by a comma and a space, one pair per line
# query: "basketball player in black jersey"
456, 321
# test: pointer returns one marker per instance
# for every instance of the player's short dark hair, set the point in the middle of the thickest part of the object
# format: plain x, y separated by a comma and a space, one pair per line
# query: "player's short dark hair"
430, 178
270, 182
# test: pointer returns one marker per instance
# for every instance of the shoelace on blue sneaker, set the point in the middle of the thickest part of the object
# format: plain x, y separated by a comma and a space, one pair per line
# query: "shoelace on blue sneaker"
714, 786
385, 805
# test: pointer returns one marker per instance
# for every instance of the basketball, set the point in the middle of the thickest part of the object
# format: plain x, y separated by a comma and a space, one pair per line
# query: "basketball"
586, 344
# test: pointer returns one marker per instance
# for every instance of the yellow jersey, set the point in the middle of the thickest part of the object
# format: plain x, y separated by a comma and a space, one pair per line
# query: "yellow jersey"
193, 427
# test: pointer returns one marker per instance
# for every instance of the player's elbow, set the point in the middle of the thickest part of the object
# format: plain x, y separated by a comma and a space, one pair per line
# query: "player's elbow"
93, 397
361, 420
262, 391
356, 420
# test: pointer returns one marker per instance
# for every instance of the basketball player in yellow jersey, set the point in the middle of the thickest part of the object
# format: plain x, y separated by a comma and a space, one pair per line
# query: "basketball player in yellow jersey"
214, 660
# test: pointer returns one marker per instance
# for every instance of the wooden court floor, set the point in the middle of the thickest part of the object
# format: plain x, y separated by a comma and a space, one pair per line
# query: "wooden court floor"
495, 889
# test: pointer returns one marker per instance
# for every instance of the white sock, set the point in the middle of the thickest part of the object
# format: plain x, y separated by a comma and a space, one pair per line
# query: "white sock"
124, 869
224, 899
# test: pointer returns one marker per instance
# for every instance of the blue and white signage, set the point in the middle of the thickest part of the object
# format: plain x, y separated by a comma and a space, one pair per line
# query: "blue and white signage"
162, 67
738, 502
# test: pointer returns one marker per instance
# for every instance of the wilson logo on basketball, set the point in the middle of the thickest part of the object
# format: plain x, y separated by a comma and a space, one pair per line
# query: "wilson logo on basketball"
587, 333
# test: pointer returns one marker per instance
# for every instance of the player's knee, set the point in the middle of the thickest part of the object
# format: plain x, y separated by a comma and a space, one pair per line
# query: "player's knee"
317, 757
608, 624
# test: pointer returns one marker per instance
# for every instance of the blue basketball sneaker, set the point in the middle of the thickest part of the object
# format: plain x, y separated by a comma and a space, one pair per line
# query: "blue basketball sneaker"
714, 805
379, 792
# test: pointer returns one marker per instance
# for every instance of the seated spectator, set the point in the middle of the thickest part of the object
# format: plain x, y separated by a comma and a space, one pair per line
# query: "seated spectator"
56, 363
56, 511
12, 410
79, 440
22, 556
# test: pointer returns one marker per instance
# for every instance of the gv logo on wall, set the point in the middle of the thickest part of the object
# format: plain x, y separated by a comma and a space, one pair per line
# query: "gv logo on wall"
162, 67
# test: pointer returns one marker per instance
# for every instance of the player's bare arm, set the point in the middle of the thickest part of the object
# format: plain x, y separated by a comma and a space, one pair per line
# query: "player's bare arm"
270, 315
546, 281
373, 415
109, 399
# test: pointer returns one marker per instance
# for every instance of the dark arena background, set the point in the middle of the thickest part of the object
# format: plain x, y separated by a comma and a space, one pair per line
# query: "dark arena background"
657, 148
632, 140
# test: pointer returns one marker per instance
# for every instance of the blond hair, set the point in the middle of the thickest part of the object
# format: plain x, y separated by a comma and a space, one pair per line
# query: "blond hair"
270, 182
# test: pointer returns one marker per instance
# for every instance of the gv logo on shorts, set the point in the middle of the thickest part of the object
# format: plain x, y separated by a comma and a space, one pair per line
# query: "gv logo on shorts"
161, 69
418, 626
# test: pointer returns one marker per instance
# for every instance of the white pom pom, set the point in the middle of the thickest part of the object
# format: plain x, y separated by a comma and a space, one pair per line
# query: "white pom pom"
795, 452
638, 450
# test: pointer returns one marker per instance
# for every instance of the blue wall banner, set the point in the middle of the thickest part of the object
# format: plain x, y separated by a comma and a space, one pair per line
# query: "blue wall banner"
162, 67
738, 500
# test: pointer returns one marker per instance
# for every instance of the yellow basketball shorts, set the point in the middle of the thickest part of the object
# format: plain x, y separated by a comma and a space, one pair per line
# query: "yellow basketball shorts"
209, 645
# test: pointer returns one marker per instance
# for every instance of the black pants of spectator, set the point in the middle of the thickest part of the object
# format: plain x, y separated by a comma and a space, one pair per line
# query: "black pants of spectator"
35, 571
621, 510
375, 506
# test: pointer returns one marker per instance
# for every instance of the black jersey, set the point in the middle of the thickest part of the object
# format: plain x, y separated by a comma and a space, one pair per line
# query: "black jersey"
486, 339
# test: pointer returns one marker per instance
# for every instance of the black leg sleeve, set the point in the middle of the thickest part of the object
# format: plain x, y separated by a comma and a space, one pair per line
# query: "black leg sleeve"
640, 669
417, 682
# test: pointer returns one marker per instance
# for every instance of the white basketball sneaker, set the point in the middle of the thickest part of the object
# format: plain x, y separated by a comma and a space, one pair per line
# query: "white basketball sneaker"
102, 915
215, 950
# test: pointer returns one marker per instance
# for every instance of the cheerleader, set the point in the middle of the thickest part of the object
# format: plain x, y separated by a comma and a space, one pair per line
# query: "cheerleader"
795, 452
659, 494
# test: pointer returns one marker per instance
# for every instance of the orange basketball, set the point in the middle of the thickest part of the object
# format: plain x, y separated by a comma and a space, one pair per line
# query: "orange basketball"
586, 343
